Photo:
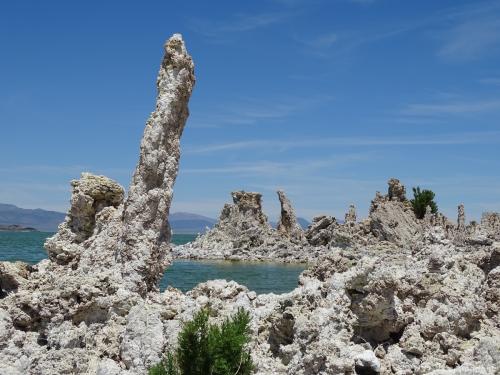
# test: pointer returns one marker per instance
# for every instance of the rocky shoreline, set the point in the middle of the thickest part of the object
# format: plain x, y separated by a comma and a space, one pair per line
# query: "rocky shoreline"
243, 232
390, 294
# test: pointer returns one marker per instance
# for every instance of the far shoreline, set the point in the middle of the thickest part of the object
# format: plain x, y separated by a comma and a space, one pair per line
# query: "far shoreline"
17, 228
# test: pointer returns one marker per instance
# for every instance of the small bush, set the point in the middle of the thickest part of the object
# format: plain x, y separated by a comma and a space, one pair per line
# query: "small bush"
421, 200
209, 349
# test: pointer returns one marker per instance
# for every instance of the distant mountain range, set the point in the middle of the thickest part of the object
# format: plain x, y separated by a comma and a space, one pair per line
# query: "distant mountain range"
186, 223
47, 221
42, 220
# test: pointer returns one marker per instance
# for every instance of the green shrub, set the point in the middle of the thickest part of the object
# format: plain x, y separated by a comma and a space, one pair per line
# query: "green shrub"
209, 349
421, 200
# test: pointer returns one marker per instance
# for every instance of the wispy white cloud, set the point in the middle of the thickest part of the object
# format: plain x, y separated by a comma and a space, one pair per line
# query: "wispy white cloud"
72, 171
490, 81
463, 32
452, 108
470, 32
414, 120
471, 39
409, 140
244, 168
341, 42
293, 167
224, 30
322, 41
252, 111
51, 169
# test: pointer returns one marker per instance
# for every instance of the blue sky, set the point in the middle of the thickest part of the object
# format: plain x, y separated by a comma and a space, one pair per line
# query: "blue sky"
325, 99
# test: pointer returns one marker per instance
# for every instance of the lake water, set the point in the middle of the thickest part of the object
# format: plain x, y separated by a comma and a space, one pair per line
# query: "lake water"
182, 274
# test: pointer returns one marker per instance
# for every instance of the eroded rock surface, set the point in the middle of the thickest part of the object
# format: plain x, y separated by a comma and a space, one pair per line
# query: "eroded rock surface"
70, 314
288, 225
243, 233
91, 195
384, 309
490, 224
391, 216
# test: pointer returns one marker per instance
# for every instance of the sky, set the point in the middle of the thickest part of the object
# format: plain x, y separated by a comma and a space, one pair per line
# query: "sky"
324, 99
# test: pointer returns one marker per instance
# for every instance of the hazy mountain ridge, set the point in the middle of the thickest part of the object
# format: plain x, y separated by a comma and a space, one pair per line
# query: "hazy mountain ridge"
42, 220
188, 223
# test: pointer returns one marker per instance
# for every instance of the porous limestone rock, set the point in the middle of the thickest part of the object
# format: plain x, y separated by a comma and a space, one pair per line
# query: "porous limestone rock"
396, 191
461, 229
145, 237
392, 299
242, 225
461, 218
77, 311
327, 232
243, 233
91, 195
487, 232
12, 276
249, 206
288, 225
392, 218
385, 301
320, 231
350, 216
490, 223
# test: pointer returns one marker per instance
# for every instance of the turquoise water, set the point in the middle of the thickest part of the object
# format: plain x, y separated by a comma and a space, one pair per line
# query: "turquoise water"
258, 276
28, 246
182, 274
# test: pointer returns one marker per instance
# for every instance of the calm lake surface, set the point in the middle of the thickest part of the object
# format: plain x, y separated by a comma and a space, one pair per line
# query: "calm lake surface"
182, 274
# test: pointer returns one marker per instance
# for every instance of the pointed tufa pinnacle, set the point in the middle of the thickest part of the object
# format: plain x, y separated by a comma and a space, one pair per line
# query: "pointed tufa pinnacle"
396, 190
460, 230
288, 225
350, 216
461, 218
249, 204
146, 232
